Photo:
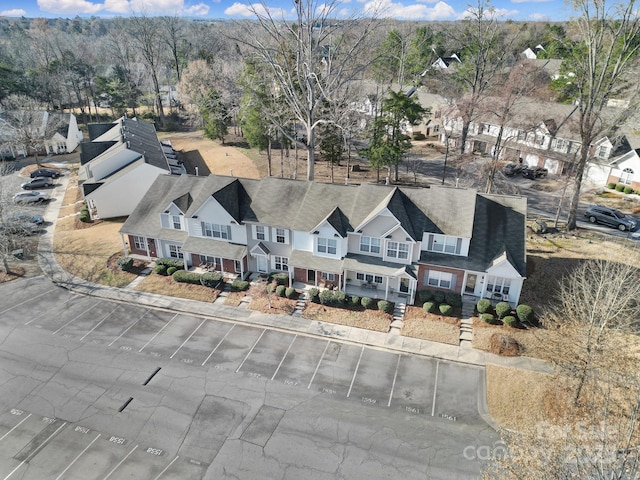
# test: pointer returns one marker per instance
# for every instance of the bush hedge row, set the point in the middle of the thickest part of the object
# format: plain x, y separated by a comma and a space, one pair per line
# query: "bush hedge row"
620, 187
239, 286
170, 262
504, 312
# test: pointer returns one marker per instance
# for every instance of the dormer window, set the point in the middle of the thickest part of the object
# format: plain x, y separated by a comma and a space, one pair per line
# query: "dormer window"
444, 244
327, 245
175, 220
370, 244
280, 235
398, 250
216, 231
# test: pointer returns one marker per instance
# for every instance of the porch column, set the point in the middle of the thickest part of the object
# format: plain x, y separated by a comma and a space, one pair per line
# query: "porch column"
124, 245
146, 247
315, 278
386, 288
290, 271
242, 268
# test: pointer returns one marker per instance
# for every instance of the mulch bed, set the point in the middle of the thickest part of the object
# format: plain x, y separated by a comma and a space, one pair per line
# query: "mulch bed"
368, 319
138, 265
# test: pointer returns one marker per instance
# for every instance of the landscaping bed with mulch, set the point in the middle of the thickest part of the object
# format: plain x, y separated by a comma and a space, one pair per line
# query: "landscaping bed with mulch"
429, 326
368, 319
531, 340
166, 285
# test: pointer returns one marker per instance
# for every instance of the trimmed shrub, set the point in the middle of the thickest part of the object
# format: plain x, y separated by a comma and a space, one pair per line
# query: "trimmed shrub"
338, 298
290, 292
503, 309
539, 227
524, 313
488, 318
419, 136
453, 299
281, 278
611, 186
483, 305
84, 215
445, 309
628, 190
239, 286
270, 287
354, 301
423, 296
367, 302
171, 270
170, 262
510, 321
183, 276
211, 279
160, 270
125, 263
385, 306
429, 307
326, 296
619, 187
313, 295
280, 290
438, 296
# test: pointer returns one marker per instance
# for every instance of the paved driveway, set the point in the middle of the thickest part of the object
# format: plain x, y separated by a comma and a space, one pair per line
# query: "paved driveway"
119, 390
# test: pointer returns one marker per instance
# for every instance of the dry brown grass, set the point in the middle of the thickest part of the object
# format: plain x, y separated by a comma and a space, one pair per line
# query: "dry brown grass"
419, 324
273, 304
14, 274
368, 319
234, 299
164, 285
532, 341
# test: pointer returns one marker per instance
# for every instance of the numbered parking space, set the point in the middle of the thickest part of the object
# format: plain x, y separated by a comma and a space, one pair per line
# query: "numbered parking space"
373, 377
33, 447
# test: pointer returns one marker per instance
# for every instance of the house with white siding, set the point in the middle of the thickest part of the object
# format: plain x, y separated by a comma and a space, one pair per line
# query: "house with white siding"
384, 241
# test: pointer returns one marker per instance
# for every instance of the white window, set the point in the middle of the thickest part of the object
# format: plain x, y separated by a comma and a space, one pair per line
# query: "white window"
603, 151
327, 245
368, 277
139, 243
627, 176
281, 263
216, 231
328, 276
539, 139
398, 250
280, 235
260, 233
498, 285
370, 244
438, 279
175, 251
444, 244
175, 219
561, 144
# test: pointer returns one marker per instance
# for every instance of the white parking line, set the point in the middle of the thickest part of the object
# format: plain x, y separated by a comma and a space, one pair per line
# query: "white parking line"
26, 301
318, 365
128, 328
166, 468
74, 296
75, 318
120, 463
393, 385
285, 356
249, 353
20, 423
355, 372
99, 323
76, 459
33, 454
158, 332
435, 390
216, 347
189, 337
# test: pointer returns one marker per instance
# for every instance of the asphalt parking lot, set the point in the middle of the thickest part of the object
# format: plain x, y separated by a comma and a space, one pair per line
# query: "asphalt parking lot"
364, 377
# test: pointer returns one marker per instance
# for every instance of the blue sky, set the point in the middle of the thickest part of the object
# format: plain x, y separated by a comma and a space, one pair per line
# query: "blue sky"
532, 10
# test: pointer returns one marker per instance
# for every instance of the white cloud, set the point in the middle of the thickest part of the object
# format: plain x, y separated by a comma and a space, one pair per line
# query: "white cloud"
498, 13
16, 12
540, 17
199, 9
243, 10
440, 11
69, 6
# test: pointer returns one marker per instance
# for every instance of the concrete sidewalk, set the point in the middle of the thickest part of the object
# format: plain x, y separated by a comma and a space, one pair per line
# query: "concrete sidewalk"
389, 341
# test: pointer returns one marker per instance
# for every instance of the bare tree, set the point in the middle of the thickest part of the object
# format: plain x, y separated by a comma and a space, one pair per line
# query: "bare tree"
309, 59
597, 67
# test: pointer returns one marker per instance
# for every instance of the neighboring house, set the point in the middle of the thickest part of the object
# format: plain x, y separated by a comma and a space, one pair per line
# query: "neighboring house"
434, 105
622, 169
118, 165
532, 53
444, 63
542, 134
381, 241
23, 132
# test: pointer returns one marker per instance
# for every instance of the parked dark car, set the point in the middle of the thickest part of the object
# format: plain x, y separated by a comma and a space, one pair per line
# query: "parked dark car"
38, 182
534, 172
45, 172
610, 216
26, 217
511, 169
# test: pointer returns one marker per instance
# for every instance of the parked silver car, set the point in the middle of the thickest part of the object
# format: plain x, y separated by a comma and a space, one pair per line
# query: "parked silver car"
610, 216
38, 182
30, 197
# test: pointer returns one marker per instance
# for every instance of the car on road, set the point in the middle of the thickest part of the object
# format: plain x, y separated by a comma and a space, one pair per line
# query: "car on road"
511, 169
45, 172
534, 172
38, 182
610, 216
32, 196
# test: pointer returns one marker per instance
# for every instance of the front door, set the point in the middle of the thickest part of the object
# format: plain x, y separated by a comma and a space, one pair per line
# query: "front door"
311, 276
152, 247
470, 286
404, 285
262, 263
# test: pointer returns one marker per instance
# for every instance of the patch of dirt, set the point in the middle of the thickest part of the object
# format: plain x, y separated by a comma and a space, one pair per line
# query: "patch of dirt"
137, 269
428, 326
273, 304
234, 299
368, 319
531, 340
14, 274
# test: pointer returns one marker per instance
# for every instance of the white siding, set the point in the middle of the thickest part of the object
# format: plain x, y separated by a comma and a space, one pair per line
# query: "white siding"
108, 162
302, 241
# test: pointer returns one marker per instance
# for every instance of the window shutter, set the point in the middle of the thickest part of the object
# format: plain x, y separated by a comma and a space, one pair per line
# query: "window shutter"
426, 277
454, 277
458, 246
203, 229
228, 232
430, 245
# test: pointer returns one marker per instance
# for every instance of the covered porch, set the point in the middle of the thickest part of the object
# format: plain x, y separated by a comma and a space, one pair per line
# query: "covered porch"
207, 255
371, 277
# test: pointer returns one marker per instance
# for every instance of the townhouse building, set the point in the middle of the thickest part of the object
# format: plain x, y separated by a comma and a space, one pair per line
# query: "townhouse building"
381, 241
